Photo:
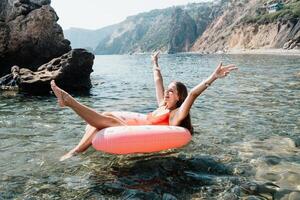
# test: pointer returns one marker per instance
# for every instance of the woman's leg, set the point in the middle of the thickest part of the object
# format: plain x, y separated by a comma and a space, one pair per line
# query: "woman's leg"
96, 121
84, 143
86, 140
92, 117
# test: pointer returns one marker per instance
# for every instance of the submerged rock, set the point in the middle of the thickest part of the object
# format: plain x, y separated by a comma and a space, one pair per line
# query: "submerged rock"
29, 34
254, 188
71, 71
297, 142
167, 178
167, 196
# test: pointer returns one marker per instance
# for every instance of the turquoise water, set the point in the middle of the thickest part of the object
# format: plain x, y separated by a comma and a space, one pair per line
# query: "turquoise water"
247, 130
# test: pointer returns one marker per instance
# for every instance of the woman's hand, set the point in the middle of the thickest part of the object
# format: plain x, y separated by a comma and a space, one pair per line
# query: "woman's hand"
158, 80
154, 58
222, 71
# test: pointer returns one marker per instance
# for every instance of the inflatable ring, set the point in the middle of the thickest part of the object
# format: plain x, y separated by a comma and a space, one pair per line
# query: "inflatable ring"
139, 138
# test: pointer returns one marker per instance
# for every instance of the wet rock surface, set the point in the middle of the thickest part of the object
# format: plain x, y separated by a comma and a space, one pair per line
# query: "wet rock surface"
274, 170
29, 34
170, 178
11, 81
297, 142
71, 71
150, 177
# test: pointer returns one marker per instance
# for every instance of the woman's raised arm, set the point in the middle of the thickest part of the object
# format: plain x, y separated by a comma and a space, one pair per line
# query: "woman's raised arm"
220, 72
158, 80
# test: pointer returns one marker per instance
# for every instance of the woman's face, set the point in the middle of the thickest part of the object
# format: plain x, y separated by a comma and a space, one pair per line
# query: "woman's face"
171, 96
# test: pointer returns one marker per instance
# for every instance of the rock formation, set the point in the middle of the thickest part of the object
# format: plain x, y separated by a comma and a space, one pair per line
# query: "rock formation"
11, 81
183, 32
170, 30
140, 33
87, 39
218, 26
29, 34
71, 71
241, 27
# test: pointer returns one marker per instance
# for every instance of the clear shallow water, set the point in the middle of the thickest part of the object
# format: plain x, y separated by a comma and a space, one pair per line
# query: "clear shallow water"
246, 127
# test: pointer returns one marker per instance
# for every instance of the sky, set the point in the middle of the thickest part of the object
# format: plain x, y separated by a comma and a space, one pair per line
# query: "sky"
94, 14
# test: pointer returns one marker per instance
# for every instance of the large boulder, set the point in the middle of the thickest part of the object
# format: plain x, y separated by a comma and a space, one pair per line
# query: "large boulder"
29, 34
71, 72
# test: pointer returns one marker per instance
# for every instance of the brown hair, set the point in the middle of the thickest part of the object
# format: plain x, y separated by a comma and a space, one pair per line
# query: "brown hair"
182, 94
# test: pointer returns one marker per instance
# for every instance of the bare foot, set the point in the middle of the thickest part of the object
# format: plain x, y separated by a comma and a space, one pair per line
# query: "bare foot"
59, 93
68, 155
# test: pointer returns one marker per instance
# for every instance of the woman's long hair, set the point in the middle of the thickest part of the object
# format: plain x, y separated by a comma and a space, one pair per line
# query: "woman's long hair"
182, 94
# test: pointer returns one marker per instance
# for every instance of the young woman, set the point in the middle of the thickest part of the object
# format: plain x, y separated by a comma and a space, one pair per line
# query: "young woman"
174, 105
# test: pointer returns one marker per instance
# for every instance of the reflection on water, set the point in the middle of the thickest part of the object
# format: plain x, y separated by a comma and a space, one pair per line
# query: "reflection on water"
246, 143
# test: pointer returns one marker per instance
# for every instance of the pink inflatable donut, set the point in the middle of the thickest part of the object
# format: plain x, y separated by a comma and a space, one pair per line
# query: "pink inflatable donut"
139, 138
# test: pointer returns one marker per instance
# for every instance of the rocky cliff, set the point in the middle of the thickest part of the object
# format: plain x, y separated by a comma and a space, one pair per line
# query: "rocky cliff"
29, 34
141, 33
183, 31
88, 39
247, 24
217, 26
170, 30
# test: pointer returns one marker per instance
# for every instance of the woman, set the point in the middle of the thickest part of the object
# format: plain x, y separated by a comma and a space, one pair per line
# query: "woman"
174, 105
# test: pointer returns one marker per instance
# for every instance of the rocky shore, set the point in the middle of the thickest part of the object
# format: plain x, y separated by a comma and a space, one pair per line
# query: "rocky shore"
287, 52
71, 71
31, 37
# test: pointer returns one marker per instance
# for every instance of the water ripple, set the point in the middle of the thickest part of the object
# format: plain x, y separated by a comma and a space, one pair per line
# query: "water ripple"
246, 135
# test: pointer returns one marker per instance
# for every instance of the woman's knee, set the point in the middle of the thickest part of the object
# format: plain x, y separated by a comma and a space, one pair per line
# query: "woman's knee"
108, 114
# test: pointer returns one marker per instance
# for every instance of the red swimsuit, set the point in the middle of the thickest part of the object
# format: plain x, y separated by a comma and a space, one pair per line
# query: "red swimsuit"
158, 120
150, 120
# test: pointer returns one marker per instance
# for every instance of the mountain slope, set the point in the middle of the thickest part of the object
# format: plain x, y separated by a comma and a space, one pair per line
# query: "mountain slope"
170, 30
248, 25
217, 26
84, 38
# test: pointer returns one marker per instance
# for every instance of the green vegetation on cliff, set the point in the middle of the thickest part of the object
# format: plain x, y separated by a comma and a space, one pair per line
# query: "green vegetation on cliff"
171, 30
205, 27
289, 11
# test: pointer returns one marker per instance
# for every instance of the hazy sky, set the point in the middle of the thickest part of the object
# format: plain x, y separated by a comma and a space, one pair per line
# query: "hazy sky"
94, 14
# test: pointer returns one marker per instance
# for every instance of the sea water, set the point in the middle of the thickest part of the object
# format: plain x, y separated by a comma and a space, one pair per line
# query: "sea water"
247, 128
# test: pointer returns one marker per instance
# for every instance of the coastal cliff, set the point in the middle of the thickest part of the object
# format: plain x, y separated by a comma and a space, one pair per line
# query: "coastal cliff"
140, 33
247, 25
170, 30
88, 39
210, 27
